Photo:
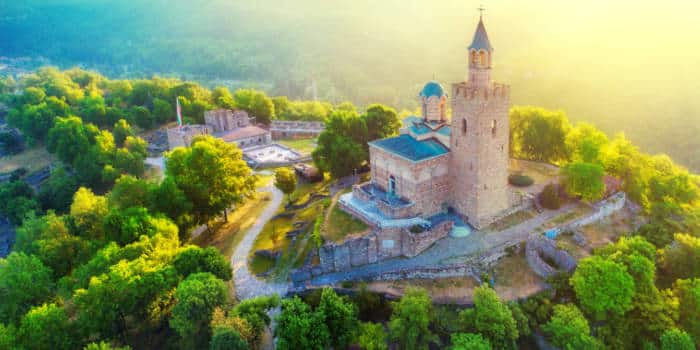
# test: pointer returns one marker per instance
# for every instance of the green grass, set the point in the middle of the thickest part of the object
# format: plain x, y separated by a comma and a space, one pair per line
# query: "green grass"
304, 146
340, 224
33, 159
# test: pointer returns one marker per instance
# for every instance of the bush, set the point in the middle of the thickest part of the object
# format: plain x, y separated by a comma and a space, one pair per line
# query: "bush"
520, 180
417, 229
549, 198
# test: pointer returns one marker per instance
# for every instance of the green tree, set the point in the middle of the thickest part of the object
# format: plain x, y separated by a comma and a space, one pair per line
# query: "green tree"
372, 336
169, 199
88, 212
24, 282
585, 143
568, 329
197, 296
212, 174
46, 327
381, 122
8, 335
104, 346
603, 286
68, 139
675, 339
193, 259
222, 97
57, 192
585, 180
340, 316
256, 103
538, 134
681, 258
254, 312
469, 341
688, 293
300, 328
121, 131
491, 318
286, 181
163, 111
17, 201
410, 320
227, 339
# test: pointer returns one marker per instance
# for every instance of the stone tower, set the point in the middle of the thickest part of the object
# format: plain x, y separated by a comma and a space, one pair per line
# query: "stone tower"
433, 101
479, 140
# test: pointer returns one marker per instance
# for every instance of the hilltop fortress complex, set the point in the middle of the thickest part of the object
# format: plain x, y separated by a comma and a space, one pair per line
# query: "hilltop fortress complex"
439, 176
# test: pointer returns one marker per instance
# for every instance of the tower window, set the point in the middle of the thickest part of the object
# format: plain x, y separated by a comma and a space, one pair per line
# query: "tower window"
464, 126
493, 127
474, 58
482, 58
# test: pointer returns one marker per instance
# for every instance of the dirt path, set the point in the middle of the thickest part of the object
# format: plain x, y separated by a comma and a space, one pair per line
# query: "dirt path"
247, 285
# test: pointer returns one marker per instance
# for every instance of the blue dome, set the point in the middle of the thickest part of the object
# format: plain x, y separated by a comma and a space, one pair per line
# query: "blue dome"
432, 88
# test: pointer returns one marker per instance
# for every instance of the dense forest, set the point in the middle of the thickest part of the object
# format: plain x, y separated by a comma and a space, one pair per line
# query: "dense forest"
103, 261
609, 67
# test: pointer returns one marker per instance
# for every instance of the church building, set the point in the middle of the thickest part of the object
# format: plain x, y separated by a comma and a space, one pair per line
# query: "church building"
444, 167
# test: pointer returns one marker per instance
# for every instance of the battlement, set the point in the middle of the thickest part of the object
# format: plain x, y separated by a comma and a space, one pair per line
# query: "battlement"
468, 91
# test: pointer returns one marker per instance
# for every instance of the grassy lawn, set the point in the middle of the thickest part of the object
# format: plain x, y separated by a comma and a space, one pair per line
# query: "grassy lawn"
515, 279
340, 224
273, 235
304, 146
226, 236
33, 159
539, 172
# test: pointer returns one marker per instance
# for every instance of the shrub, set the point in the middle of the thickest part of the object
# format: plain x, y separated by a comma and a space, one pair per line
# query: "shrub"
520, 180
417, 229
549, 198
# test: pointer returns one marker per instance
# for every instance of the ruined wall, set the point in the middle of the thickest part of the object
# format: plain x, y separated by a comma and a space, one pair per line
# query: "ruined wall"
426, 183
221, 120
182, 136
604, 209
295, 129
540, 247
414, 243
479, 148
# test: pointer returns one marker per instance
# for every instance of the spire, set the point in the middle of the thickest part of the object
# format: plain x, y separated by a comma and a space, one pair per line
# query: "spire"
481, 39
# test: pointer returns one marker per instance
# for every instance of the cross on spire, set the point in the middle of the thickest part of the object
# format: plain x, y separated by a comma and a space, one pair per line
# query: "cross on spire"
481, 10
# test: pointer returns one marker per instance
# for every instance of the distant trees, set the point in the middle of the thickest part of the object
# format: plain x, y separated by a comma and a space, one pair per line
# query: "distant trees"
256, 103
538, 134
286, 181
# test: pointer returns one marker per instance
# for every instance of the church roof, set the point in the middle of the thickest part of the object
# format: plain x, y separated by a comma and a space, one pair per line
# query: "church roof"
407, 147
481, 39
432, 88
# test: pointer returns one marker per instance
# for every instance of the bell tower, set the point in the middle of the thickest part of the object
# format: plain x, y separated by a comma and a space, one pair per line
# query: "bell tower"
479, 138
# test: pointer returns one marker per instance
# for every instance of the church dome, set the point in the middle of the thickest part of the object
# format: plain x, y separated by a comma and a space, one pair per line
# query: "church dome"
432, 88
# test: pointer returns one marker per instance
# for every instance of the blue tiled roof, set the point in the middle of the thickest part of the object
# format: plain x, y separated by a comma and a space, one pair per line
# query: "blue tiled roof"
410, 120
419, 129
432, 88
410, 148
481, 39
445, 130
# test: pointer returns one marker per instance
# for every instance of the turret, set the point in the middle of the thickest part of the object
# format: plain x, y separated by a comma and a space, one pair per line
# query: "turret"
480, 57
433, 100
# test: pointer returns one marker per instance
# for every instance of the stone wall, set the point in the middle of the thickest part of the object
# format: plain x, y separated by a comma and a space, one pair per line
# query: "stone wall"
378, 245
221, 120
182, 136
540, 247
425, 183
295, 129
603, 208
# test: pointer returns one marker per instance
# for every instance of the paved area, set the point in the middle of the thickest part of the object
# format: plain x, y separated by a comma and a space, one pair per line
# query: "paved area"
247, 284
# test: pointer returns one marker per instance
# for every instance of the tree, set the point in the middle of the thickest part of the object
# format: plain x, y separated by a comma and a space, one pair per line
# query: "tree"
193, 259
342, 146
381, 122
469, 341
104, 346
24, 282
169, 199
585, 180
88, 212
549, 197
227, 339
585, 143
286, 181
410, 319
212, 174
46, 327
256, 103
121, 131
300, 328
7, 337
681, 258
603, 286
197, 296
491, 318
254, 312
57, 192
538, 134
688, 293
222, 97
676, 339
372, 336
17, 201
163, 111
340, 316
568, 329
69, 139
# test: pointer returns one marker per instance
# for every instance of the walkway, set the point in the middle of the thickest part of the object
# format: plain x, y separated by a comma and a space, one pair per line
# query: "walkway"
449, 250
247, 285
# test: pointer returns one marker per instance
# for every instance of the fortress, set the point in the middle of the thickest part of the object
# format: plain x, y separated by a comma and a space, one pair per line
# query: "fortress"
438, 176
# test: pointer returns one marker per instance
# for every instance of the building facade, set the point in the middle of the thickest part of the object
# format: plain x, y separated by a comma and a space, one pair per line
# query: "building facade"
228, 125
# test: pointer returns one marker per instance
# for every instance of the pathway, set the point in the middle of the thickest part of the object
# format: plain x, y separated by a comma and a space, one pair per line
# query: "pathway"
247, 284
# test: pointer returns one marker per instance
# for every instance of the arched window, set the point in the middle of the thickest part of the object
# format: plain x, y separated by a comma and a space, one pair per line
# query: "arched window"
464, 126
482, 59
474, 58
493, 127
392, 185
